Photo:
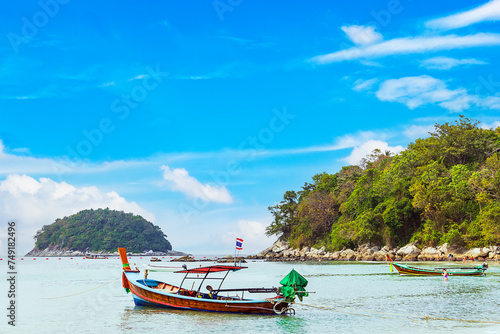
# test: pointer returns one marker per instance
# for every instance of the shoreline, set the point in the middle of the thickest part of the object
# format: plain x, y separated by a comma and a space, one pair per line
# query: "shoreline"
55, 252
281, 251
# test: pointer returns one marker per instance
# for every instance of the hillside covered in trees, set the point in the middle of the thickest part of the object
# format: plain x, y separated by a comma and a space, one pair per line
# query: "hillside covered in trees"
441, 189
102, 229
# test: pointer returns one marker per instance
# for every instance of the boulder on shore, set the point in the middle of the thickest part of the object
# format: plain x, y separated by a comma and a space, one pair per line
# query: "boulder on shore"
281, 251
409, 251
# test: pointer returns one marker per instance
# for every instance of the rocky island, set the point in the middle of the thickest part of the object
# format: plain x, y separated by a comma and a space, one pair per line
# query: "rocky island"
101, 231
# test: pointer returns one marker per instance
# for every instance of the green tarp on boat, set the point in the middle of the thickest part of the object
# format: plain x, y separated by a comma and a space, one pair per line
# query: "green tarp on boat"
292, 283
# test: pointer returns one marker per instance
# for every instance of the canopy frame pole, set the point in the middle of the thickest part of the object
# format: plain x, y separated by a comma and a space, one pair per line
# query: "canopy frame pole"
203, 280
222, 281
180, 286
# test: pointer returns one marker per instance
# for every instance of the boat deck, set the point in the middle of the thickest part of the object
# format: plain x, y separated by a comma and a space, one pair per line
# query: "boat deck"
169, 288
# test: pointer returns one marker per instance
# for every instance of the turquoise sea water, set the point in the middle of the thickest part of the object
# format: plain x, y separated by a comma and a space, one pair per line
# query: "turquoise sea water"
356, 298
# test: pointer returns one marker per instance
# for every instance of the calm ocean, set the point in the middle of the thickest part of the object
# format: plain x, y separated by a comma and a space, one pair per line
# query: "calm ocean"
355, 298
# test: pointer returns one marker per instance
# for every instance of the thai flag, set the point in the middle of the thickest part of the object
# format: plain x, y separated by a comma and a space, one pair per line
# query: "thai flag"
239, 244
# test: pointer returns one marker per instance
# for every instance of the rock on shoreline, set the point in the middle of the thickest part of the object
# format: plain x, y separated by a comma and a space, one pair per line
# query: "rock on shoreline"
63, 252
281, 251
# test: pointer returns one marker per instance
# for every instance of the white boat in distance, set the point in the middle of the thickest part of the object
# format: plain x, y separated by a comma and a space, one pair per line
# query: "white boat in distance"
159, 267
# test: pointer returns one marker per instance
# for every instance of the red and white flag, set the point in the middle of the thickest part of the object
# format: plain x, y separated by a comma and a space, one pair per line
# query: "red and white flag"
239, 244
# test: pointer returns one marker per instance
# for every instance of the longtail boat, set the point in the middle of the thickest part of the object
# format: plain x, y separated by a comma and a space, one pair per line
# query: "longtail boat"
405, 269
95, 257
151, 292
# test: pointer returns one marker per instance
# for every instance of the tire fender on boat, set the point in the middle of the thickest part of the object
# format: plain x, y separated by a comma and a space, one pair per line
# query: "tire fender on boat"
281, 310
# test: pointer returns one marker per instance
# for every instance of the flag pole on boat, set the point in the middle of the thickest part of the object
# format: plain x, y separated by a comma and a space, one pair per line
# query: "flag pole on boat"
239, 247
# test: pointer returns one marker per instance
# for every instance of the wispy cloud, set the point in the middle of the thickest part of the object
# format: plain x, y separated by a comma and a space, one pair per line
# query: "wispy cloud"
180, 180
426, 90
362, 35
138, 77
491, 102
107, 84
230, 70
409, 45
48, 91
418, 131
14, 161
445, 63
20, 161
361, 85
488, 12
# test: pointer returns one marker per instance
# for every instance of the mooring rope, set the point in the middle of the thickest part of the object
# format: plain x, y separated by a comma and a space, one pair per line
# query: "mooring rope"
419, 317
79, 293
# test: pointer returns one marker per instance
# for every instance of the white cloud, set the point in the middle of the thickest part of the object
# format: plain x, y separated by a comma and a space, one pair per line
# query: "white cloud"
180, 180
423, 90
361, 151
488, 12
461, 101
361, 85
253, 234
418, 131
417, 91
445, 63
409, 45
491, 102
491, 126
33, 203
362, 35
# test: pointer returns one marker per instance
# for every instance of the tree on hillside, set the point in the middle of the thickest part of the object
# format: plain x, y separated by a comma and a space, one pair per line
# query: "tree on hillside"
444, 188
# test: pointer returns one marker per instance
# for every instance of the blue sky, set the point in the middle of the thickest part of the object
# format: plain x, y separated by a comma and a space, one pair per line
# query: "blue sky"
200, 115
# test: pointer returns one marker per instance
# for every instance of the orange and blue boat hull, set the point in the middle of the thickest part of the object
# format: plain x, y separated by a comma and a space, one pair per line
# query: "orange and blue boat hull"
149, 293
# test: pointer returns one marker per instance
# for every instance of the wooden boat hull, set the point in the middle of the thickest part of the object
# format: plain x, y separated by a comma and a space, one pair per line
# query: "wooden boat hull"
145, 293
414, 271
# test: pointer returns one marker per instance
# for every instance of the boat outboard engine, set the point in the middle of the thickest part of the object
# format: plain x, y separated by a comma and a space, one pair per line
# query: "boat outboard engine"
484, 267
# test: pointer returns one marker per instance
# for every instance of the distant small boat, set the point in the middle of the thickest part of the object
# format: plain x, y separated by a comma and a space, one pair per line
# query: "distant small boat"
405, 269
95, 257
156, 267
155, 259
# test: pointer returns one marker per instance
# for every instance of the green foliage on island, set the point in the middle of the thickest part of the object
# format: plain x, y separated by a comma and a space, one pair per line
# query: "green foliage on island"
103, 229
445, 188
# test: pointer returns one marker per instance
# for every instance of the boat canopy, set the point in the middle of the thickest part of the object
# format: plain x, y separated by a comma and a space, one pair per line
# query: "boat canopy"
293, 284
194, 272
210, 269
